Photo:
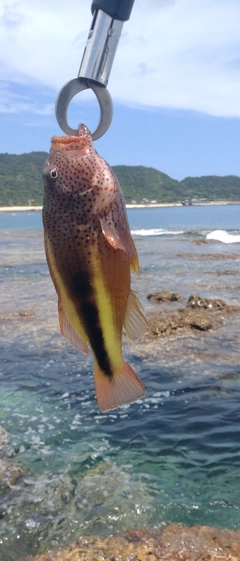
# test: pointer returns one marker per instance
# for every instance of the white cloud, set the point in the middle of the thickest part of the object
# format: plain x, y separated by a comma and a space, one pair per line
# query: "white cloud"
180, 54
11, 19
17, 103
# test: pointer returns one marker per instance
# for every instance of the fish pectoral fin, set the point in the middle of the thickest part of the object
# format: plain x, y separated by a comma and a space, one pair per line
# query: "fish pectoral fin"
120, 239
121, 388
106, 184
135, 323
70, 332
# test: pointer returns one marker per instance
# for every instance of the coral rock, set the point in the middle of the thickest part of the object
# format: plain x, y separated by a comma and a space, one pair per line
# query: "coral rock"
168, 543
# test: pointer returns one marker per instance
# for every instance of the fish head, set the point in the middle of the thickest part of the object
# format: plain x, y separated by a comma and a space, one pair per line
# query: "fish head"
71, 164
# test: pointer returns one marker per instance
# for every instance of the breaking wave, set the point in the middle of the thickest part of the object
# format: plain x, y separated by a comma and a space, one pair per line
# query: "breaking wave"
223, 236
156, 232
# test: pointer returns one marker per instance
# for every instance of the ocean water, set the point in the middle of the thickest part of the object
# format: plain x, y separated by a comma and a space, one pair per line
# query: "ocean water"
69, 470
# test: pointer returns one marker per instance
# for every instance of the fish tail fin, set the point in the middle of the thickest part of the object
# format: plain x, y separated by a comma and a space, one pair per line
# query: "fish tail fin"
121, 388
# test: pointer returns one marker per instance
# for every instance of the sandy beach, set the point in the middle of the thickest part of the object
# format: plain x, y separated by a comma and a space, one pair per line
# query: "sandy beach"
19, 208
32, 208
128, 205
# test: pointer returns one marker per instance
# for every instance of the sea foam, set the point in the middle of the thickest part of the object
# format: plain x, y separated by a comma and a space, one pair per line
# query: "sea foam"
223, 236
155, 232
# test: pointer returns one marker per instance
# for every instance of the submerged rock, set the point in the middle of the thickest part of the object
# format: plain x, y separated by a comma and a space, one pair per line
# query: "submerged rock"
225, 272
207, 303
200, 314
210, 256
200, 242
9, 472
164, 296
169, 543
4, 439
182, 321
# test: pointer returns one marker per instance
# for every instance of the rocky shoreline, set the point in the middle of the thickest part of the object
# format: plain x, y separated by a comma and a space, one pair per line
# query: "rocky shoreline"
175, 542
176, 325
172, 314
199, 314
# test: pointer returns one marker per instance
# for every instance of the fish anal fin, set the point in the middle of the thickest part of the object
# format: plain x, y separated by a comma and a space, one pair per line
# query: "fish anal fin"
121, 388
135, 323
69, 332
120, 240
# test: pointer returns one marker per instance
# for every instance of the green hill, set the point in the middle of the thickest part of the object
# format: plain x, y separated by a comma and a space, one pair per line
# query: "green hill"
21, 178
21, 182
139, 182
213, 187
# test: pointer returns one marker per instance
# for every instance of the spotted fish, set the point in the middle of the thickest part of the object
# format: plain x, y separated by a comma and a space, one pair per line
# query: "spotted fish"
90, 252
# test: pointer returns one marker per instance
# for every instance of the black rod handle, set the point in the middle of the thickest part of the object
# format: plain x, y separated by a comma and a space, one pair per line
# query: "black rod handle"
117, 9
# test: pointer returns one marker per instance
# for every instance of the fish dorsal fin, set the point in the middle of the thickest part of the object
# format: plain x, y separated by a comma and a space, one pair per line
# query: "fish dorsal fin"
120, 238
135, 323
69, 332
121, 388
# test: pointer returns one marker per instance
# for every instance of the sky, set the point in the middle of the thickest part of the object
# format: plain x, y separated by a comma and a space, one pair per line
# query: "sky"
175, 82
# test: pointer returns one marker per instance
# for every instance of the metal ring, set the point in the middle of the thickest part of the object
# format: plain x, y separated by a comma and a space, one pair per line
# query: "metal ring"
69, 91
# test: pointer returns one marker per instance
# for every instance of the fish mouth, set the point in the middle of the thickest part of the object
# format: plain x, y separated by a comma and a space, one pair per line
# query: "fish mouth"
73, 145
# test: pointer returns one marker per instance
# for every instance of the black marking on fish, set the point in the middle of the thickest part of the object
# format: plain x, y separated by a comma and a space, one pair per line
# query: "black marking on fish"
95, 334
82, 290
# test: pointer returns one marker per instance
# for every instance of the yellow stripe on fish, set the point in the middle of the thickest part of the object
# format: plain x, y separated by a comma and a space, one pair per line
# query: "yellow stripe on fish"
104, 305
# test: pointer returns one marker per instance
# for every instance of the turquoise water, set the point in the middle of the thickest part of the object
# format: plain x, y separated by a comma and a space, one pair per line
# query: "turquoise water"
174, 456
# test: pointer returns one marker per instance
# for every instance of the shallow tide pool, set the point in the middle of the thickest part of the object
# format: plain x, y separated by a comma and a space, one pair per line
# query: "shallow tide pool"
172, 457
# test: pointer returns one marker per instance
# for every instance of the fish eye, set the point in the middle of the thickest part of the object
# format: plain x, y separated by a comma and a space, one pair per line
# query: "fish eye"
53, 173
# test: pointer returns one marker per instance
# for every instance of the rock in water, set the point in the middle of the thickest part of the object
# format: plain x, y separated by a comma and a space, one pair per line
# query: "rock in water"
169, 543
